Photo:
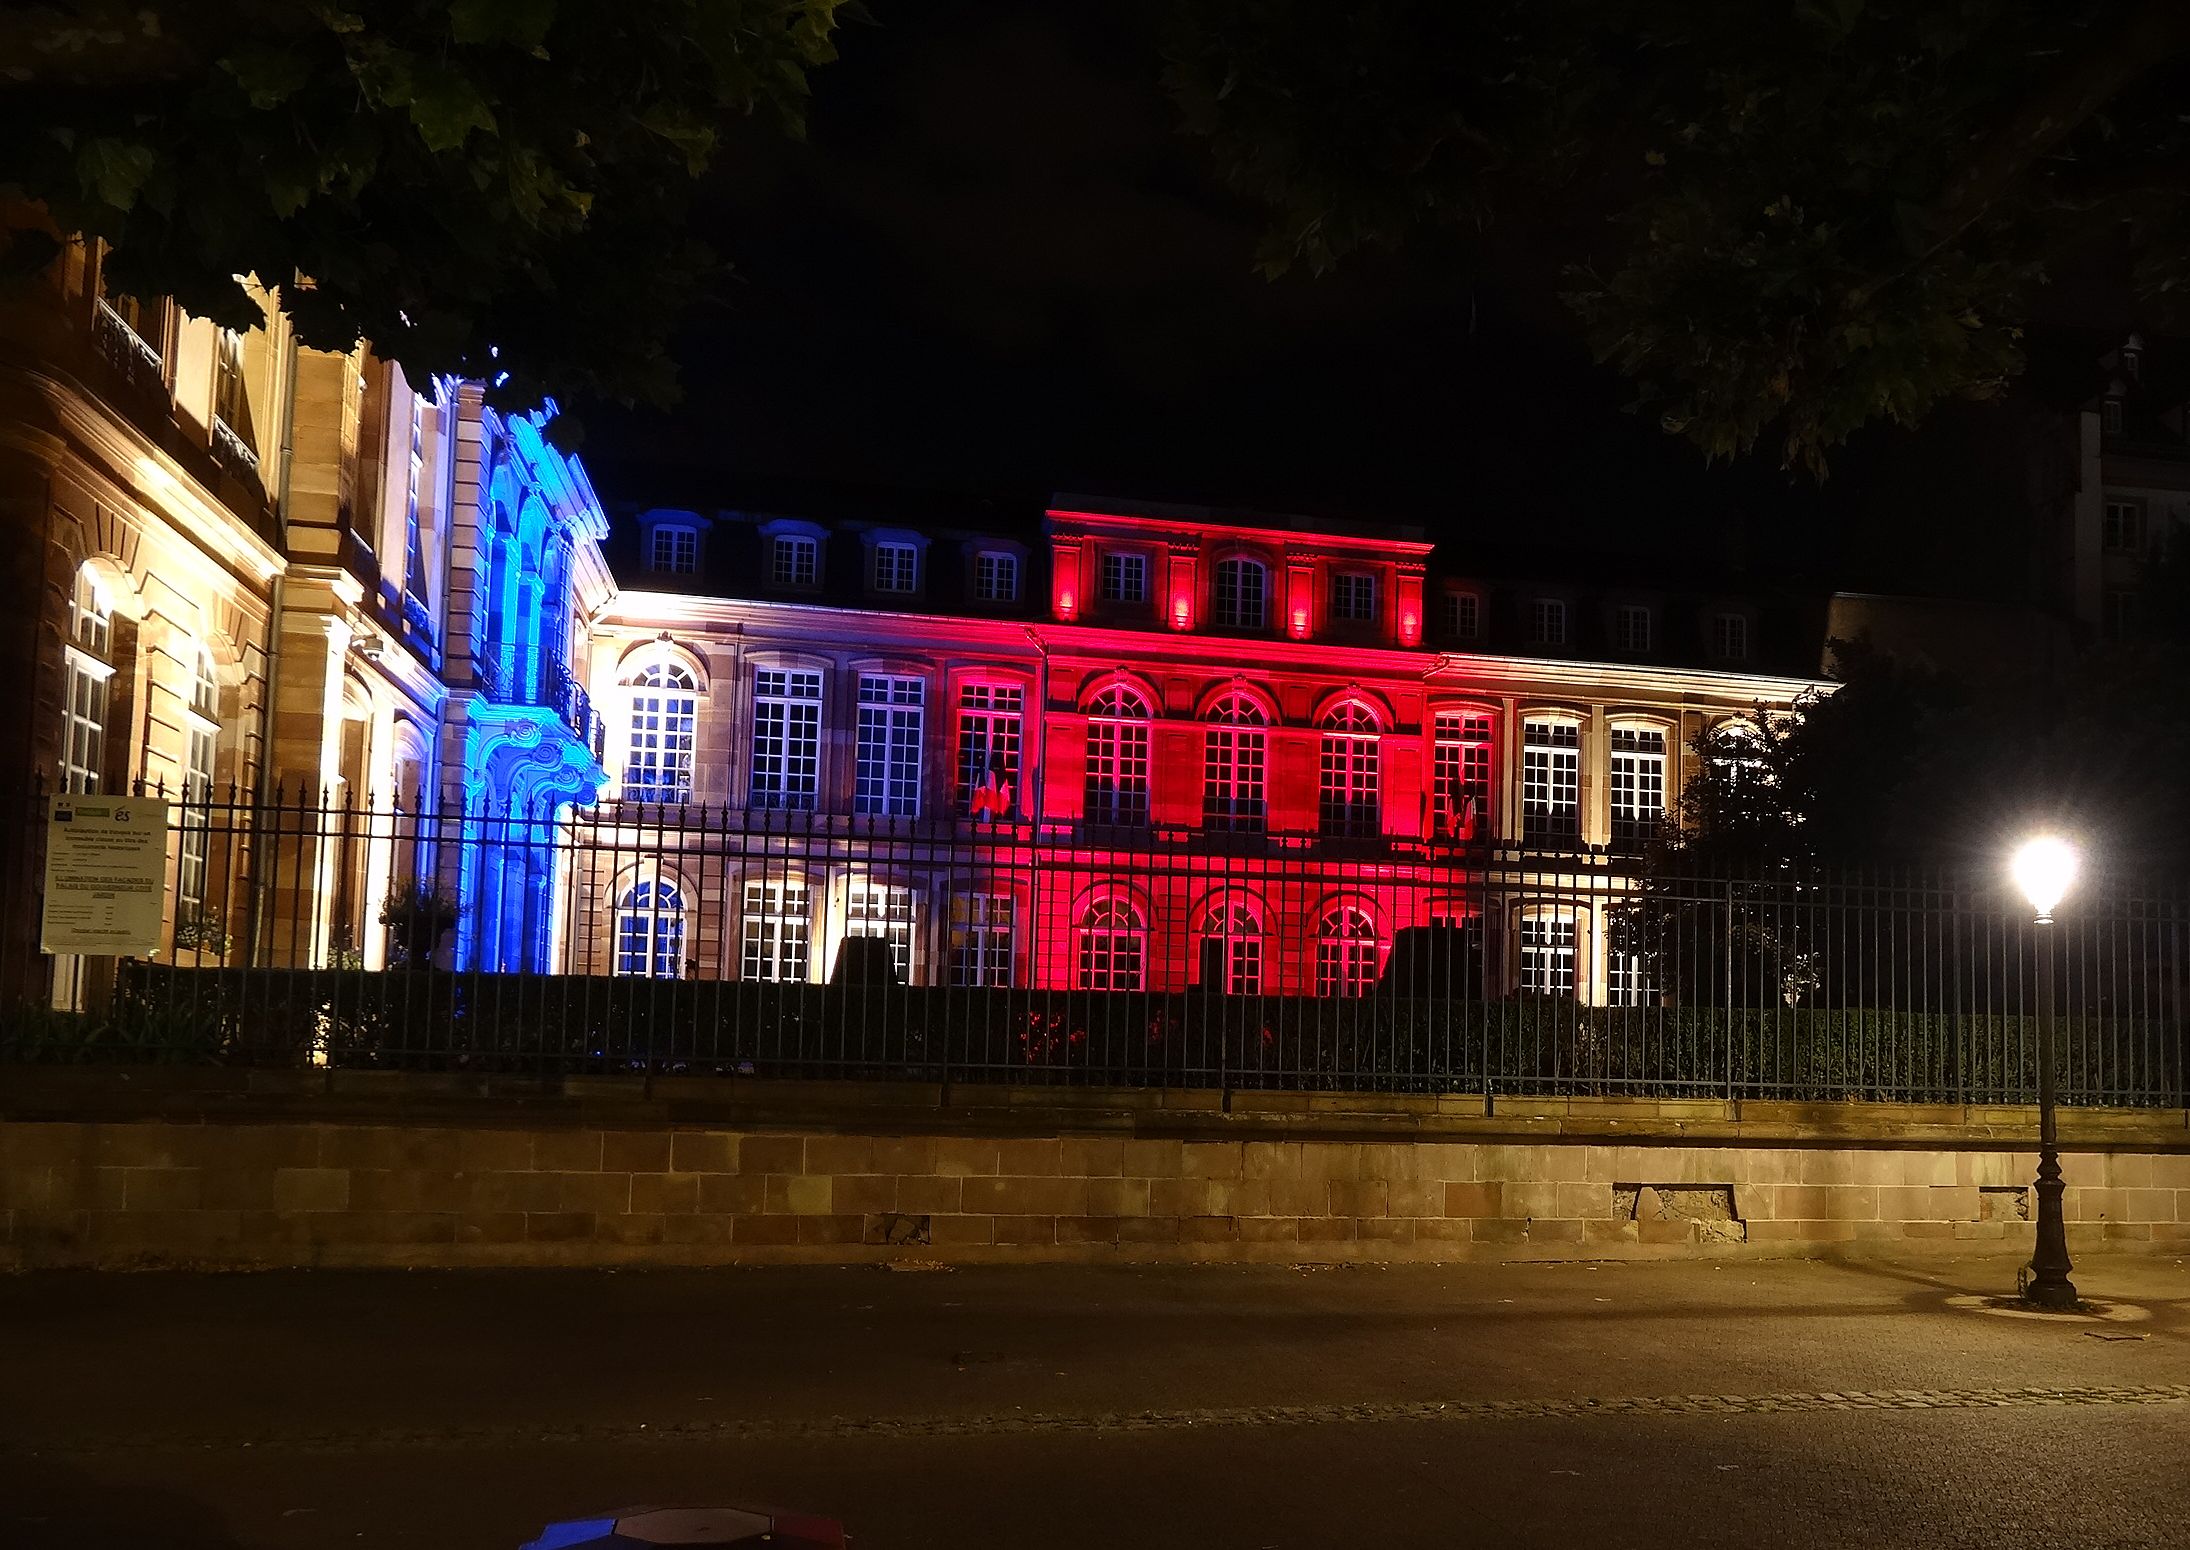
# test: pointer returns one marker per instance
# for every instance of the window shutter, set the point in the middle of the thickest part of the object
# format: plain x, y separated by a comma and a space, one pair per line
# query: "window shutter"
1064, 768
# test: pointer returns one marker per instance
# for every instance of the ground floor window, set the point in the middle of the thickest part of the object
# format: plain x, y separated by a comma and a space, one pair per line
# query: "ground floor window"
650, 930
774, 931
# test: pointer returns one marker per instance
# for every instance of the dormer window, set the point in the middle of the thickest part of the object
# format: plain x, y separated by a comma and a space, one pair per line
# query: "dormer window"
1353, 596
1242, 594
1631, 629
1463, 615
674, 549
2110, 416
996, 577
794, 561
1125, 577
896, 566
1730, 637
1547, 622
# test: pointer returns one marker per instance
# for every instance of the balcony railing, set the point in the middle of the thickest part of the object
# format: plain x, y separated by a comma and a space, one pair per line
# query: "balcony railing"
231, 451
537, 678
128, 352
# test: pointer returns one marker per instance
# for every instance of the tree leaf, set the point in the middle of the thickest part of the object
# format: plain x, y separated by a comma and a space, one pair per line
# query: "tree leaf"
524, 23
113, 170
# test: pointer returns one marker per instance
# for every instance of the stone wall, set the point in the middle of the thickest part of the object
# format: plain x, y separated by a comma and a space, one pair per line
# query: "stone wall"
1020, 1183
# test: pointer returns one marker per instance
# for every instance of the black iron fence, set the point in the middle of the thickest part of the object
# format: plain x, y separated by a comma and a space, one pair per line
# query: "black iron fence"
440, 933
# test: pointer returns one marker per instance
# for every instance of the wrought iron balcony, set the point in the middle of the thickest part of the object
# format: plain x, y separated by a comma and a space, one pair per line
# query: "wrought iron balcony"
231, 451
128, 352
538, 678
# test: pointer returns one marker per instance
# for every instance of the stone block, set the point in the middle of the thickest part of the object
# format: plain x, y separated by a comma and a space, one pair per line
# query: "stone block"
1148, 1229
635, 1151
772, 1154
1026, 1231
1328, 1160
558, 1226
664, 1194
1415, 1197
1446, 1161
1582, 1202
1210, 1160
1091, 1157
34, 1144
1807, 1230
493, 1151
2171, 1170
930, 1194
797, 1195
1035, 1157
1357, 1198
965, 1156
1152, 1159
161, 1189
1001, 1197
828, 1155
145, 1144
166, 1235
1384, 1229
1117, 1197
1542, 1231
1267, 1229
774, 1232
2151, 1205
628, 1229
833, 1228
263, 1148
410, 1189
904, 1155
602, 1194
479, 1227
1510, 1229
1389, 1160
2095, 1205
856, 1194
50, 1232
733, 1194
28, 1188
1443, 1229
703, 1151
1665, 1229
1186, 1197
525, 1191
962, 1229
1607, 1231
1825, 1203
1271, 1160
1297, 1196
1207, 1229
2128, 1170
1484, 1198
1088, 1229
237, 1189
1532, 1200
567, 1151
311, 1189
709, 1231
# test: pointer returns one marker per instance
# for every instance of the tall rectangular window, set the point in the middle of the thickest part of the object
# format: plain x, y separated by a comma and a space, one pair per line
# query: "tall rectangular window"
896, 567
414, 480
890, 718
990, 717
882, 910
664, 727
1463, 754
1551, 783
1353, 596
786, 739
1124, 578
1117, 761
774, 931
2124, 527
1730, 637
1628, 981
1547, 622
1463, 615
983, 928
996, 577
1235, 761
1242, 594
1347, 775
1638, 785
1547, 955
90, 657
1631, 629
794, 561
676, 550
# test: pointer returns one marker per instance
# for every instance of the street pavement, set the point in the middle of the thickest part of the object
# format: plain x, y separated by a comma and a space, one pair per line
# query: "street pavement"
1781, 1404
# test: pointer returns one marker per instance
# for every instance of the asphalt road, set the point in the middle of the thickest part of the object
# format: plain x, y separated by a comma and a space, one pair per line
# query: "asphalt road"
1780, 1404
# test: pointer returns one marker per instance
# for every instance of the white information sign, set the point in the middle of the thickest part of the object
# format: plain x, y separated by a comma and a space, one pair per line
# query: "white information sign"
106, 872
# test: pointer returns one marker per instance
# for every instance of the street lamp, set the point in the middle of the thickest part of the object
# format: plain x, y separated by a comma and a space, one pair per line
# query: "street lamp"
2044, 869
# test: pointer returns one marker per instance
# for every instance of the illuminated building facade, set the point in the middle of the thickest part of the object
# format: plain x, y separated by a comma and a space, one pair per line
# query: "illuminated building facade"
1143, 749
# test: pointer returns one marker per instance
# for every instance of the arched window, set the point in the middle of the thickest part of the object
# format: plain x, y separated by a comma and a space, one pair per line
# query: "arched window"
664, 719
1235, 755
1346, 952
1242, 594
1117, 758
90, 653
650, 930
1113, 946
201, 749
1638, 769
1231, 948
1348, 779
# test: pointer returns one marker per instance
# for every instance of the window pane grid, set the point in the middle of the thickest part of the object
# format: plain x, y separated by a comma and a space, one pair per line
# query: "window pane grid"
1547, 956
650, 931
996, 577
676, 550
774, 934
1125, 578
1113, 947
1353, 596
795, 562
1638, 786
1235, 759
1117, 760
983, 938
1551, 782
1348, 796
1346, 954
887, 780
664, 728
882, 910
1462, 774
1241, 594
990, 717
786, 739
893, 567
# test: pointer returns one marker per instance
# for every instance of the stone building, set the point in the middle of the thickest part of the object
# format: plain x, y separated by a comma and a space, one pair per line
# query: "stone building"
1144, 748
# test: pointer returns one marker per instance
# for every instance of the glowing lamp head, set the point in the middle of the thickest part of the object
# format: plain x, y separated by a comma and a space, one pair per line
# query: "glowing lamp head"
1300, 623
1067, 603
1182, 611
2044, 869
1410, 628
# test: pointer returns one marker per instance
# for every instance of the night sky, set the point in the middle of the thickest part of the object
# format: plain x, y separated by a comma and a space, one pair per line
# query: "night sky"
999, 269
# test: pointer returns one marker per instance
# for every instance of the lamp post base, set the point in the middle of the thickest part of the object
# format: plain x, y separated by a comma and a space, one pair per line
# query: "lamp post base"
2049, 1286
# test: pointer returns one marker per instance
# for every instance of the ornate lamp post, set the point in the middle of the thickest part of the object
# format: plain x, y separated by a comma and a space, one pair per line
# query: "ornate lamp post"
2044, 869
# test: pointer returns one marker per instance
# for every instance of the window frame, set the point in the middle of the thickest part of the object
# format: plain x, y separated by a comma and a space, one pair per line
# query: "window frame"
1463, 613
2126, 537
1634, 629
1635, 772
1001, 584
1551, 780
661, 719
1110, 945
683, 544
895, 550
889, 744
1362, 606
1116, 767
649, 932
1463, 767
1228, 596
1349, 772
793, 767
1550, 623
798, 547
1730, 635
1110, 588
1348, 962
